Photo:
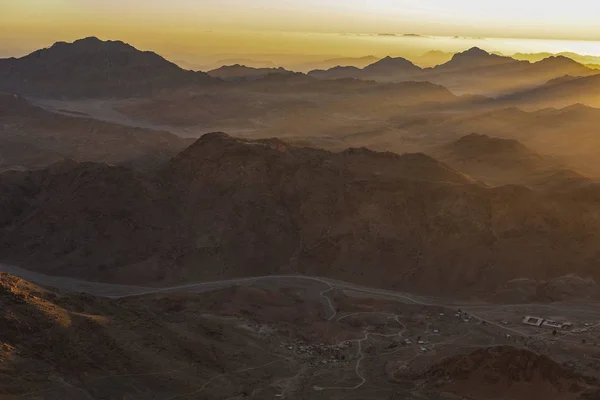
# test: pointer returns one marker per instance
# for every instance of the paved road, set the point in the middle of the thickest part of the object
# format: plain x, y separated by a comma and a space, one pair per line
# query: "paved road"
120, 291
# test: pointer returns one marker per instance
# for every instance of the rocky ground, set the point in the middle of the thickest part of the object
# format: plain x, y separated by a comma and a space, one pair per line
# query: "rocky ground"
264, 340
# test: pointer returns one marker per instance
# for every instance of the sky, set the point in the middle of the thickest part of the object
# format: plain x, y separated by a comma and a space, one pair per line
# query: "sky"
184, 27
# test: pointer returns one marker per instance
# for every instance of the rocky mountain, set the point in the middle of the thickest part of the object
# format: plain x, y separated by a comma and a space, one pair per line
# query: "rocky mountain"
568, 134
518, 374
226, 207
93, 68
31, 137
479, 72
567, 92
242, 72
474, 71
498, 161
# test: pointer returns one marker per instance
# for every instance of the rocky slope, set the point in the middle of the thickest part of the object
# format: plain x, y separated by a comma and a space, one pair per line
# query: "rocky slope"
499, 161
31, 137
57, 345
93, 68
505, 373
226, 207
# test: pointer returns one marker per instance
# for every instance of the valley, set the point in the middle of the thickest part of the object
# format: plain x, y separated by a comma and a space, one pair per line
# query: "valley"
351, 341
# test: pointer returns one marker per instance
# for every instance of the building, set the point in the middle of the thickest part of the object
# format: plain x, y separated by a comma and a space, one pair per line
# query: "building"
557, 325
546, 323
533, 321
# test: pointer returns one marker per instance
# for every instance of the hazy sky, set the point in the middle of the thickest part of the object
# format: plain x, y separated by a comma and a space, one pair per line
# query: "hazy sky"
252, 26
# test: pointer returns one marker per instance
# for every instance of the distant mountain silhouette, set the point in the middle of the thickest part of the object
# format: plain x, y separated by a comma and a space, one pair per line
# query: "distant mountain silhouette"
568, 134
242, 72
432, 58
474, 58
559, 94
392, 65
337, 73
359, 62
388, 69
580, 58
91, 67
479, 72
473, 71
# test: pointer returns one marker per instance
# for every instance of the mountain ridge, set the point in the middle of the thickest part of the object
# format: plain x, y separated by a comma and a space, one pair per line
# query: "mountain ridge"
91, 67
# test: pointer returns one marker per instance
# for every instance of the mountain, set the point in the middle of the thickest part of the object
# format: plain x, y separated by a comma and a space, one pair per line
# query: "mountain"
337, 73
93, 68
582, 90
474, 71
392, 69
479, 72
474, 58
498, 161
358, 62
227, 207
237, 72
31, 137
568, 134
580, 58
432, 58
388, 69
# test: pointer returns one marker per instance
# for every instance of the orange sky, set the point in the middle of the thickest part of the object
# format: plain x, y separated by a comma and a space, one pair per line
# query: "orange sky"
180, 27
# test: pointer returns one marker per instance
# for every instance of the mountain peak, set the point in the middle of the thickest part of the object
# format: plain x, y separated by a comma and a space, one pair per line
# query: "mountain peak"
473, 53
88, 40
476, 57
91, 67
392, 63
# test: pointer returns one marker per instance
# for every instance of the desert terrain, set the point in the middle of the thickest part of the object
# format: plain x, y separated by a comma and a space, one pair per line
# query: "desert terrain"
285, 337
358, 228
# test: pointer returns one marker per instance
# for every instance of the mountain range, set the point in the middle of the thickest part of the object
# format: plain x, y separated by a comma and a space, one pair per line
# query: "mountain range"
236, 72
227, 207
474, 71
102, 69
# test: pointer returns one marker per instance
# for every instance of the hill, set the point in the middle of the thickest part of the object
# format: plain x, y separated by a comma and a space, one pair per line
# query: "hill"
93, 68
518, 374
60, 345
226, 207
582, 90
567, 134
32, 137
498, 161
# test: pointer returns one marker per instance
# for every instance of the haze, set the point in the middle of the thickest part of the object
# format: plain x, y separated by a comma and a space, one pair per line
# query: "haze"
201, 32
285, 199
